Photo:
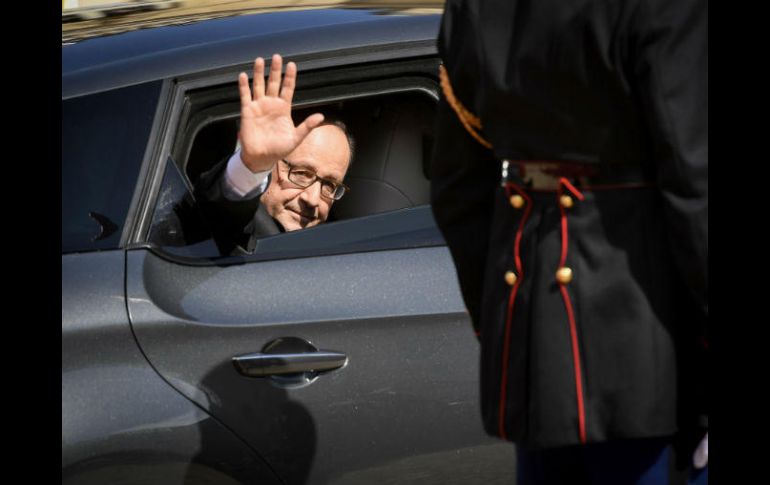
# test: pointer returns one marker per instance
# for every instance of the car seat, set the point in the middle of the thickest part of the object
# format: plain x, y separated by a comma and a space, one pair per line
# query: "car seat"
393, 138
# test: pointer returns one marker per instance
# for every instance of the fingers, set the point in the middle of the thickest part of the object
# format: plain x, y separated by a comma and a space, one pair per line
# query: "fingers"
307, 126
274, 81
274, 84
259, 78
289, 81
243, 89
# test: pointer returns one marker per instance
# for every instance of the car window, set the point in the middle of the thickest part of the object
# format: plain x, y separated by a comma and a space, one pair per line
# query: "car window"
104, 137
385, 208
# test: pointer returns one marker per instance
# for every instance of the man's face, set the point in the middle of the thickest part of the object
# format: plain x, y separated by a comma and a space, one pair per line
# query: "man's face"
326, 152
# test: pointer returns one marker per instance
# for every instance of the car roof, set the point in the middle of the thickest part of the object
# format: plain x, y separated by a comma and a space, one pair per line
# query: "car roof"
149, 54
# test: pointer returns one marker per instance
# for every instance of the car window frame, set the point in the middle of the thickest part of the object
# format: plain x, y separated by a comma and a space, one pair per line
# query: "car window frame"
171, 103
172, 112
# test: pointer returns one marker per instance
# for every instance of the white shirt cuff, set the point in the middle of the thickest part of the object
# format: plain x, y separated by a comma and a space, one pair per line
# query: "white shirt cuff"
241, 182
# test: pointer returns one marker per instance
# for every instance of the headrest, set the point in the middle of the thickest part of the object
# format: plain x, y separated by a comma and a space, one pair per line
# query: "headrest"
393, 138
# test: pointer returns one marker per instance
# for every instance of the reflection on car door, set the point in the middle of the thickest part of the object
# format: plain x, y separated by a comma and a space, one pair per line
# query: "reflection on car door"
403, 409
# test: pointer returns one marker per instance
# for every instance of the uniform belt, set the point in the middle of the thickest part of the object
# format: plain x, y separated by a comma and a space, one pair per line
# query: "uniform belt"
546, 175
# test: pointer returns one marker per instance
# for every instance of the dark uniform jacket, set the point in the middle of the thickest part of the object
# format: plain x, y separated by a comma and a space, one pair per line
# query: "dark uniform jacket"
606, 103
236, 225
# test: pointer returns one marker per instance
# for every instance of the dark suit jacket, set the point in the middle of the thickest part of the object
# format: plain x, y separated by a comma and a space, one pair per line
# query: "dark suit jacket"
236, 225
619, 352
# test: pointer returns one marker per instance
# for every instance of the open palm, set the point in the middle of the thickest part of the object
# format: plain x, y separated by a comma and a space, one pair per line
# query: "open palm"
267, 131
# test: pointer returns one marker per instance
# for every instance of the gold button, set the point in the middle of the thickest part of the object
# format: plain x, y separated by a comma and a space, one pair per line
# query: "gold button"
566, 201
510, 277
517, 201
564, 275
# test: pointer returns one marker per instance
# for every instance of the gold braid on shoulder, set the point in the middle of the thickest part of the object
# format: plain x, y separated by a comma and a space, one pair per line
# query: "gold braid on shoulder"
470, 121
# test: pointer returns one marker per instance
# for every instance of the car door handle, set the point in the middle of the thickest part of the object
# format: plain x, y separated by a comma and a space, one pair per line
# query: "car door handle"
263, 365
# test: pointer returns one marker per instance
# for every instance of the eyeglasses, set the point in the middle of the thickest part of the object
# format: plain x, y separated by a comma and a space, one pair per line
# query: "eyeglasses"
304, 178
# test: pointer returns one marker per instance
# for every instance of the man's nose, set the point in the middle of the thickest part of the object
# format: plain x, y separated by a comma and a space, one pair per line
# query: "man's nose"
312, 194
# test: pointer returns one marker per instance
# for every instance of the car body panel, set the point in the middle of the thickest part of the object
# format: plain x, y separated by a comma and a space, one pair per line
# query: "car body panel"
407, 395
119, 416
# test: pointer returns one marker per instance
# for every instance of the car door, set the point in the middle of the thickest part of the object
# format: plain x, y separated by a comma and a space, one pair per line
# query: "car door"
121, 421
341, 354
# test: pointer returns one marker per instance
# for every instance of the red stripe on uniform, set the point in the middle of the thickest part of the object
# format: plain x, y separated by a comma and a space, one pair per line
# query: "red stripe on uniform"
564, 236
506, 349
576, 360
570, 313
571, 188
511, 300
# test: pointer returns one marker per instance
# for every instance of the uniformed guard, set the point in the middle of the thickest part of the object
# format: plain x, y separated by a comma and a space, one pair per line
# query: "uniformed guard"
570, 180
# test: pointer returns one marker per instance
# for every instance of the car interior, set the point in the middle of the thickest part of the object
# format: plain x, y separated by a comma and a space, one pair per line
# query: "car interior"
393, 137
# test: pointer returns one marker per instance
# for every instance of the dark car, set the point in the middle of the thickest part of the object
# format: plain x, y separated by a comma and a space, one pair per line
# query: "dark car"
340, 354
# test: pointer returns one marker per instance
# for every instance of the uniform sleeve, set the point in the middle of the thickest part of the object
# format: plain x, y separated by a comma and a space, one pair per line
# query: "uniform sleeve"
671, 72
464, 174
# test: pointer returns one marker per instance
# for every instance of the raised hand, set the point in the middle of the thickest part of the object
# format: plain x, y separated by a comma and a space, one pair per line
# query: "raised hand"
267, 131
